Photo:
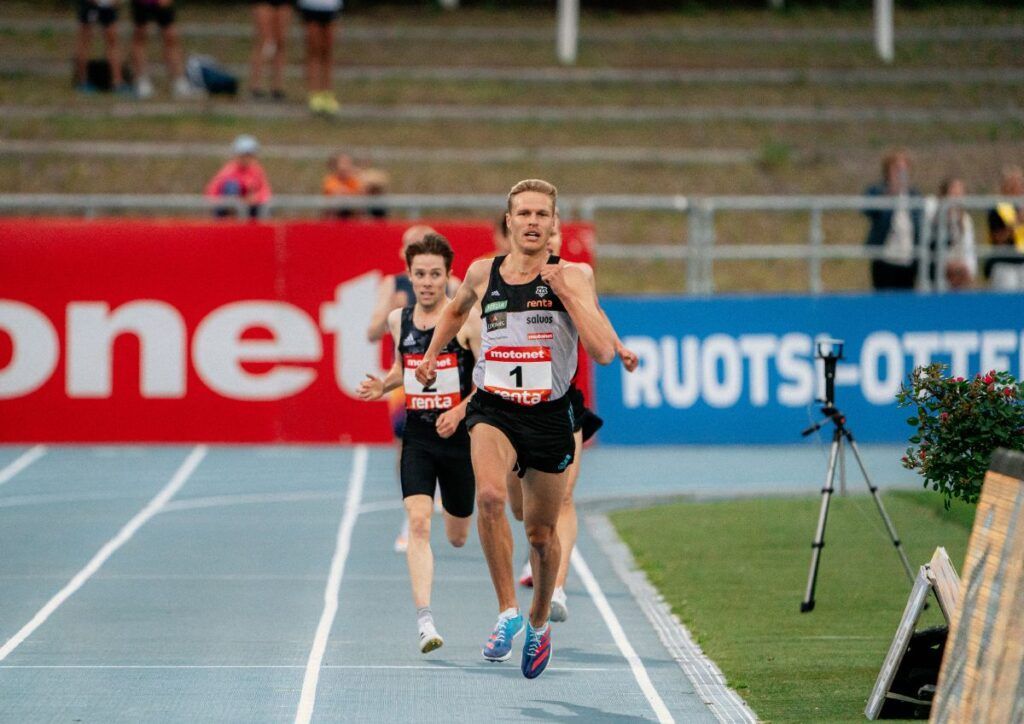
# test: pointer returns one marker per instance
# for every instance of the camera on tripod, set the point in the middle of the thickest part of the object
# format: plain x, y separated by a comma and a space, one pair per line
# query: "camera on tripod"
830, 351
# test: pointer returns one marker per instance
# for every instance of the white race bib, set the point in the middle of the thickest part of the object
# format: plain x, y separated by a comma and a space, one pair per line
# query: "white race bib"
443, 393
518, 374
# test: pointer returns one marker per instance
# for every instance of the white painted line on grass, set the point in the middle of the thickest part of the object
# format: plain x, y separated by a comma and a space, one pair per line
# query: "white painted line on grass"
123, 536
348, 522
612, 621
22, 462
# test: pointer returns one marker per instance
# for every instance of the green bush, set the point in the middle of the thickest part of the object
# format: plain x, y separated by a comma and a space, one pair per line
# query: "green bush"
959, 423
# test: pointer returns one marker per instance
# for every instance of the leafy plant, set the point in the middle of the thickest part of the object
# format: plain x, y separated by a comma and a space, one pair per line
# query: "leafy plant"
959, 422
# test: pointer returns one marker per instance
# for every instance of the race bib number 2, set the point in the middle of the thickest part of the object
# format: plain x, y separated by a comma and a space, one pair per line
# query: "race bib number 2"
518, 374
443, 393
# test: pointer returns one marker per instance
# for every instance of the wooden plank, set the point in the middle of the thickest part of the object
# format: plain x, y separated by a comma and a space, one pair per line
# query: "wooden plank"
912, 612
945, 582
982, 675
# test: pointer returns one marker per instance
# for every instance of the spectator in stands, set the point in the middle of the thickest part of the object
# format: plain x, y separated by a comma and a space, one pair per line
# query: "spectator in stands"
342, 179
955, 230
272, 18
241, 178
897, 231
1005, 268
162, 13
319, 17
104, 13
375, 183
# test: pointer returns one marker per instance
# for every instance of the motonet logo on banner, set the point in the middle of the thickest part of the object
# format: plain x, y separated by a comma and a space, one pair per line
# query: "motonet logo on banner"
743, 371
178, 331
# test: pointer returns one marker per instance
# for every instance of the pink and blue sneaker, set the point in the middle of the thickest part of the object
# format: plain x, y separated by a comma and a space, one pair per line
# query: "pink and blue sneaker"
536, 650
499, 645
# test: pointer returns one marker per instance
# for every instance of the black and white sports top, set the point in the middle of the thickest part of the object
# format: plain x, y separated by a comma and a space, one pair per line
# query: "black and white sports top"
454, 372
529, 352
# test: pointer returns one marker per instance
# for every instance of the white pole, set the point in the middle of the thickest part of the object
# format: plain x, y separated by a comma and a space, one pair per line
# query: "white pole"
883, 30
568, 31
449, 4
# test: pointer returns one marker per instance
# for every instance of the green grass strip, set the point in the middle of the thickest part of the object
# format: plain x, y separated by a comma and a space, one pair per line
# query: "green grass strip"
735, 573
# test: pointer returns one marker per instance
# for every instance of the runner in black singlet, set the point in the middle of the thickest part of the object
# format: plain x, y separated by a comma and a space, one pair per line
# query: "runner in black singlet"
435, 443
534, 312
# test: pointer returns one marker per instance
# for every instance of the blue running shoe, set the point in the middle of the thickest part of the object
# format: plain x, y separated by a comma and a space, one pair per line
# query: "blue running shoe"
536, 651
499, 645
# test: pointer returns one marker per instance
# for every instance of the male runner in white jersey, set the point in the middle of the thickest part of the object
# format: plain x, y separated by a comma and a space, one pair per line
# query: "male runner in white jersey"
435, 443
535, 311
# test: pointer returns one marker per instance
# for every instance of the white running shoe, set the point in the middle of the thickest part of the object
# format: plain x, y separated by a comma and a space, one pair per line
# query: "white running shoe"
430, 639
526, 575
559, 609
144, 88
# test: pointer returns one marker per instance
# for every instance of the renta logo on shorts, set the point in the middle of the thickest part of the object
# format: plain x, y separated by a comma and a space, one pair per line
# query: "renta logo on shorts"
545, 303
496, 306
541, 319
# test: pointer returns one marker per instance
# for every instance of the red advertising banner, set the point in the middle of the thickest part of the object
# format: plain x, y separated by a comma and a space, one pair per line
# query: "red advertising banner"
200, 331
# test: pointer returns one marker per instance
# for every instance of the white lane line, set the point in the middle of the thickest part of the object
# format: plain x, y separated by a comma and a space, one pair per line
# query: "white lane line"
628, 652
22, 462
360, 667
708, 682
215, 501
124, 535
348, 522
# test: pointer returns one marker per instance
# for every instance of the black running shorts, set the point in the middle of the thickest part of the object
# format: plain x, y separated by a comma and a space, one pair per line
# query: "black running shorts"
583, 417
144, 13
540, 434
320, 17
429, 460
90, 13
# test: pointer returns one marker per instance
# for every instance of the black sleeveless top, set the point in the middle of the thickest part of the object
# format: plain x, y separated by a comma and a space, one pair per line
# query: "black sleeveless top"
525, 325
454, 381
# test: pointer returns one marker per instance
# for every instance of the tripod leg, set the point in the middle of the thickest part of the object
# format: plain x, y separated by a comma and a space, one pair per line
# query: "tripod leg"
881, 509
819, 534
842, 469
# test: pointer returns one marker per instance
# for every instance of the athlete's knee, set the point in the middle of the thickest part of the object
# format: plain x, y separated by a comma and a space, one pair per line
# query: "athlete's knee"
458, 538
491, 501
419, 527
540, 536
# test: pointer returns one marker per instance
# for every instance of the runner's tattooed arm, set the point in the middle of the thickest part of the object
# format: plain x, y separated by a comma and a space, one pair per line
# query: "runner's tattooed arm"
373, 388
454, 317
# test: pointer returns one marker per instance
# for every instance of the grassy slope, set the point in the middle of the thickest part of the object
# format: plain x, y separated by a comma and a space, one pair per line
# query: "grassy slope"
735, 573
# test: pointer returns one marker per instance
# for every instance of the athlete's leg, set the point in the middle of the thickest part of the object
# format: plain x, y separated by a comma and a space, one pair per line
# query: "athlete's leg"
83, 44
419, 556
514, 486
567, 523
457, 529
112, 40
542, 501
493, 456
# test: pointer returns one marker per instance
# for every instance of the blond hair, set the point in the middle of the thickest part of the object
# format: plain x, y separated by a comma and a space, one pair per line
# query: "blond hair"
533, 184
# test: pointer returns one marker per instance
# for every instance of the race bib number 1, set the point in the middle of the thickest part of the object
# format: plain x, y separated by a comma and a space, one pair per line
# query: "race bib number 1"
443, 393
518, 374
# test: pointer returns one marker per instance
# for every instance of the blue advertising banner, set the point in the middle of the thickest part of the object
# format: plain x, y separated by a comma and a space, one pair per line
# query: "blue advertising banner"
743, 370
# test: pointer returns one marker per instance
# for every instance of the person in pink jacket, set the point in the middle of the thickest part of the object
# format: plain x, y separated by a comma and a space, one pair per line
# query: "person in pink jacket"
242, 177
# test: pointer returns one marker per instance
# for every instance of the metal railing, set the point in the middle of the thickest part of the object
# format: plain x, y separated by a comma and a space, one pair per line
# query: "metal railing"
700, 249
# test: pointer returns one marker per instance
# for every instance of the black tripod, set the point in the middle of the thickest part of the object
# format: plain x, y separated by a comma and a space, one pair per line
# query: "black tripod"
831, 351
